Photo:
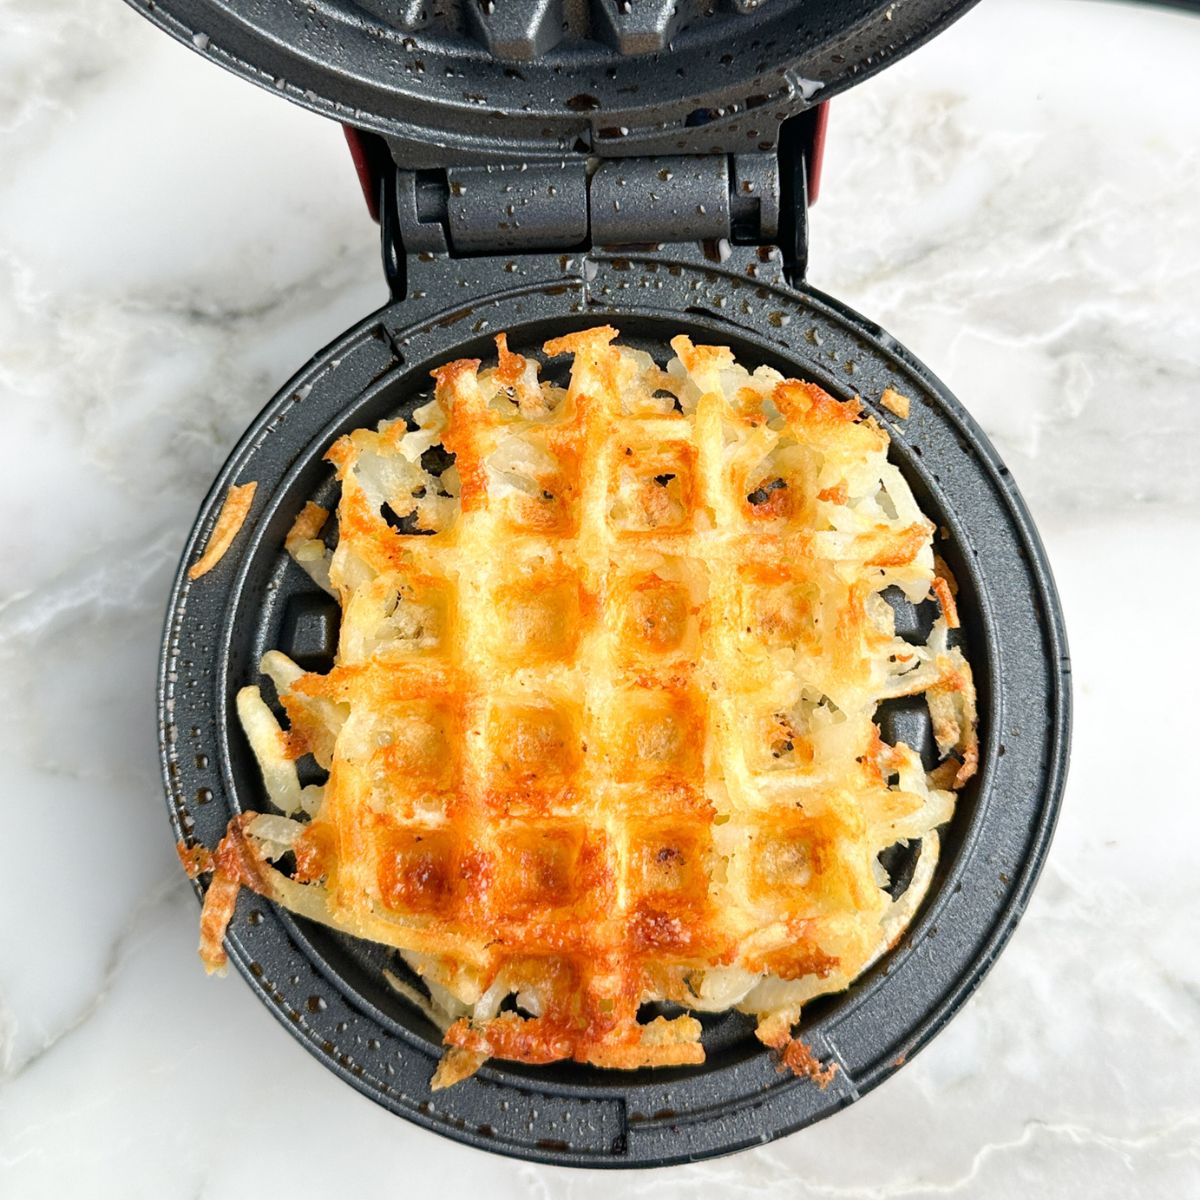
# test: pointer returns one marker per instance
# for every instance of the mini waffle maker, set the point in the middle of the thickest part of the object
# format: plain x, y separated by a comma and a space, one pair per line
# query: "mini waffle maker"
544, 165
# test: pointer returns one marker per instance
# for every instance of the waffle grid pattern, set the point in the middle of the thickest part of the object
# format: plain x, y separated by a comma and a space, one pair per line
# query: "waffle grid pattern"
600, 729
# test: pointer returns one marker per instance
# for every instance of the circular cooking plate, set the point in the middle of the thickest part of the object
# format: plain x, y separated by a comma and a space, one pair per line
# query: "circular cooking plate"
521, 78
329, 990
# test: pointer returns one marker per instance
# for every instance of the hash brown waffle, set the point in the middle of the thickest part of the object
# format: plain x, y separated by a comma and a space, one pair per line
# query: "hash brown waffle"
600, 728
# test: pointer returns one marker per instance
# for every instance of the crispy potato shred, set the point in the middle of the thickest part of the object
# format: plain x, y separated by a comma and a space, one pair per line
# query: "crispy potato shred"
228, 524
600, 732
896, 403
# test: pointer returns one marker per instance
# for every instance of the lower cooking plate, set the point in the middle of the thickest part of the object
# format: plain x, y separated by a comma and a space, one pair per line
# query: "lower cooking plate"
329, 989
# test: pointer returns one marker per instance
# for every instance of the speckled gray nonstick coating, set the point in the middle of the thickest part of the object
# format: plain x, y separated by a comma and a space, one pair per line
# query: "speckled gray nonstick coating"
443, 91
327, 988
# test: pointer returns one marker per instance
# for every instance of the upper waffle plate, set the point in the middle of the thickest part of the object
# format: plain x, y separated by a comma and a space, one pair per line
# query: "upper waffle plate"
518, 79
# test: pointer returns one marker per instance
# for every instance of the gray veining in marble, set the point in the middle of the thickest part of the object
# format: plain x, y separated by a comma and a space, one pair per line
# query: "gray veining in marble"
1017, 202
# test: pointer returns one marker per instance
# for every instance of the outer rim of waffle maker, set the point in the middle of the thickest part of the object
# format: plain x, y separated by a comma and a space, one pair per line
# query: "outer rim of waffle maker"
579, 1116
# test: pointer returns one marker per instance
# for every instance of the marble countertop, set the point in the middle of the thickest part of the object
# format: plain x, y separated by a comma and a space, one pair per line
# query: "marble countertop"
1017, 202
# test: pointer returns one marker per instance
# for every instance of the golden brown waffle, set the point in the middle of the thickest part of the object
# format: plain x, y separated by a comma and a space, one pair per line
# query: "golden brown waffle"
600, 729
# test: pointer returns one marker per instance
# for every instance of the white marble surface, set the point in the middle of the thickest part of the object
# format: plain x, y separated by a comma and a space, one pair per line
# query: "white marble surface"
1019, 202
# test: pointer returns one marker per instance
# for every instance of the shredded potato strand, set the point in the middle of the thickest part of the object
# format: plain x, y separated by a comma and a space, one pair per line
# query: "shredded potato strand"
227, 526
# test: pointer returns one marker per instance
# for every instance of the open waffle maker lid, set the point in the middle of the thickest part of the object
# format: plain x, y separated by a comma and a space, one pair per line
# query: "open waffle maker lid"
461, 80
471, 105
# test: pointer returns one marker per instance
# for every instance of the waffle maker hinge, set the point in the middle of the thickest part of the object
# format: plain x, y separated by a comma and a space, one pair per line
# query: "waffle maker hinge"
575, 205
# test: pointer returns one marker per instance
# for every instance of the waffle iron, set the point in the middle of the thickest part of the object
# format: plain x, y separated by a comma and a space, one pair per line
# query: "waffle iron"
544, 165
